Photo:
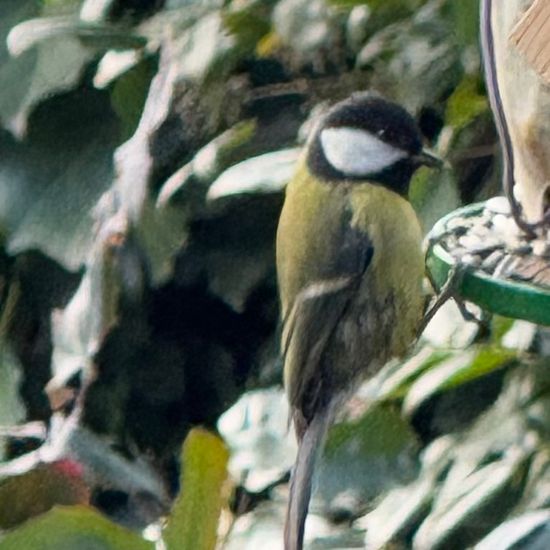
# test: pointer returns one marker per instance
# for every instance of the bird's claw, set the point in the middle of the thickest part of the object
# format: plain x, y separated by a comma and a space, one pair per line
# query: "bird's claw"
450, 290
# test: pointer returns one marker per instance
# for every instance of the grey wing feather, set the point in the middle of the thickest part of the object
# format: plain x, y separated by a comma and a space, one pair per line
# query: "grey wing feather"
314, 316
307, 331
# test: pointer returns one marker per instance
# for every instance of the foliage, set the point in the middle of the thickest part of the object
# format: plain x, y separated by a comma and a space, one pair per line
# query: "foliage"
68, 528
192, 522
194, 519
144, 148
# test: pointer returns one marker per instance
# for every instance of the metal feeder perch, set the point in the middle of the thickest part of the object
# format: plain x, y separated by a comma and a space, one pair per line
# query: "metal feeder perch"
503, 245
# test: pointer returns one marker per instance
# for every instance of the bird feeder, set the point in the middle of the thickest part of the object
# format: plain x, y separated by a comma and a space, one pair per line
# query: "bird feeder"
503, 245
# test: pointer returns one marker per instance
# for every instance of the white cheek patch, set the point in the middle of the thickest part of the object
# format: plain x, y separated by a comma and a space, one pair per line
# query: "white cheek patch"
356, 152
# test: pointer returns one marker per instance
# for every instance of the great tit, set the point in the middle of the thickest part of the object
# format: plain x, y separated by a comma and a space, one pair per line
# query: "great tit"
350, 269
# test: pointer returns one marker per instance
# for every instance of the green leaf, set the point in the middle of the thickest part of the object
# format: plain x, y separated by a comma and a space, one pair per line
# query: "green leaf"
365, 457
464, 16
382, 431
68, 528
458, 369
396, 6
414, 59
129, 94
195, 515
15, 74
49, 56
12, 409
210, 160
48, 187
487, 359
58, 65
306, 26
499, 327
397, 382
466, 103
247, 26
203, 47
433, 194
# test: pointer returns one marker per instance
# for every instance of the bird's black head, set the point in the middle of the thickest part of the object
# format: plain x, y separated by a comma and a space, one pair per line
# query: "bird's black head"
367, 138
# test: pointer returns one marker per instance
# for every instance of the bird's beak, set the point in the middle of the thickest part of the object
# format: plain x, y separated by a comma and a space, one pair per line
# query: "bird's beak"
427, 159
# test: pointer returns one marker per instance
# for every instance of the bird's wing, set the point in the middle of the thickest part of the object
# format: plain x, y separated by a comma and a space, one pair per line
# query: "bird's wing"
315, 314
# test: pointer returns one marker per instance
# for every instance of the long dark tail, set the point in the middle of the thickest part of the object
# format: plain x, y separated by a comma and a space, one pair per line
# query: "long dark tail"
300, 484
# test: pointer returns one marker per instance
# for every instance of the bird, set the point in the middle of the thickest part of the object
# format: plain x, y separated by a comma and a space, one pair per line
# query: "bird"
350, 269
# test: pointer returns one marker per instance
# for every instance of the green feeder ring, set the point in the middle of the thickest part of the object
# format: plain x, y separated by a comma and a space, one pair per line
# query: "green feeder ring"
518, 300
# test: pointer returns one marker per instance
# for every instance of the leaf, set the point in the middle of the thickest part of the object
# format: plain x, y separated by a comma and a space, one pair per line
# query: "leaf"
67, 528
463, 510
256, 430
262, 528
37, 491
487, 359
458, 369
365, 457
115, 64
75, 451
307, 26
47, 77
464, 17
129, 94
193, 522
95, 10
247, 25
50, 54
30, 33
209, 160
79, 329
465, 103
12, 409
395, 384
415, 60
381, 431
433, 194
529, 531
390, 5
202, 48
49, 186
15, 74
398, 513
267, 173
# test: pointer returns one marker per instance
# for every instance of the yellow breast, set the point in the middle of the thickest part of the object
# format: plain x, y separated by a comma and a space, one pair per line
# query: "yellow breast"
398, 262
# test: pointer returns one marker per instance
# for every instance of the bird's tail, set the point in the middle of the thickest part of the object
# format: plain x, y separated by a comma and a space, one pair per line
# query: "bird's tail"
300, 485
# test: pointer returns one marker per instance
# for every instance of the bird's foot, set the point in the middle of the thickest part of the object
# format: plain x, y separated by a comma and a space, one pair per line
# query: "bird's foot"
450, 290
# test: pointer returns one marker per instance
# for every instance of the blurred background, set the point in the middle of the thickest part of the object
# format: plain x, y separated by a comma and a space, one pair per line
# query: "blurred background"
144, 150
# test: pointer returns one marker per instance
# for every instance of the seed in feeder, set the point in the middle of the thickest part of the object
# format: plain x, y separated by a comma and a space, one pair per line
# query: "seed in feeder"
476, 245
490, 262
543, 277
472, 260
522, 249
458, 226
498, 205
469, 241
541, 248
503, 267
